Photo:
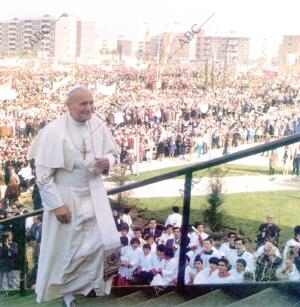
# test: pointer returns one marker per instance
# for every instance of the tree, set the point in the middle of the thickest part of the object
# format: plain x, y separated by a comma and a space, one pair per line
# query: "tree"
124, 199
213, 215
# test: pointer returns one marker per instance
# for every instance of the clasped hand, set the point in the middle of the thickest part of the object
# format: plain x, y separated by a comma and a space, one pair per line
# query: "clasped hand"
102, 164
63, 214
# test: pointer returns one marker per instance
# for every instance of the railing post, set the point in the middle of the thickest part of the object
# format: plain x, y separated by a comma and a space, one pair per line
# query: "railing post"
22, 249
184, 229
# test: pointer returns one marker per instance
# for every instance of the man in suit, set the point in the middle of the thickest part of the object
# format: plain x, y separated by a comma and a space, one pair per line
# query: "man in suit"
36, 232
175, 243
152, 230
268, 232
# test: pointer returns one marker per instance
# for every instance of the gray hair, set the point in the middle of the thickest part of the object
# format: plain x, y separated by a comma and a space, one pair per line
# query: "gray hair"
73, 92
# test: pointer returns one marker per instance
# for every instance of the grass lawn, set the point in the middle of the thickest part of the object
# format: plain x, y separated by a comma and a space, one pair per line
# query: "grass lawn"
232, 170
244, 211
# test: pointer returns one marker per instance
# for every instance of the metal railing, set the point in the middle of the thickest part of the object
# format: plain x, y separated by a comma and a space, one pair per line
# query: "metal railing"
188, 173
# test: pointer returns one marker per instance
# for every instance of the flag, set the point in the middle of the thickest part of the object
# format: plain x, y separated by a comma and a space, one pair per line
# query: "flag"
61, 83
106, 90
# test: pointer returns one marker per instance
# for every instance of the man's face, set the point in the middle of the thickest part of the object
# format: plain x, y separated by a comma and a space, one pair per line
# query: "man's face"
150, 240
200, 228
198, 265
124, 233
177, 234
31, 243
169, 230
207, 246
159, 254
239, 246
146, 251
213, 266
81, 106
239, 267
14, 208
135, 245
222, 267
270, 219
231, 239
152, 224
137, 234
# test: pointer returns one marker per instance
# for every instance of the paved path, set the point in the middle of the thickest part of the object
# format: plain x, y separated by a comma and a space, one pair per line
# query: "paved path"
174, 187
257, 160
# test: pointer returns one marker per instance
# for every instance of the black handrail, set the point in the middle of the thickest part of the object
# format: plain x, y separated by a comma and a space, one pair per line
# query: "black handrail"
188, 172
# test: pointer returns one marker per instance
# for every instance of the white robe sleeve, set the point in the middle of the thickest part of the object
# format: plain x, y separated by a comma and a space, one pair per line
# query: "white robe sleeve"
50, 194
109, 148
169, 272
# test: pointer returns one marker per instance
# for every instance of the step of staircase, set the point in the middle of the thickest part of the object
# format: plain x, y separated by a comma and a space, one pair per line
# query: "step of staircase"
130, 299
269, 297
169, 299
212, 299
30, 300
276, 296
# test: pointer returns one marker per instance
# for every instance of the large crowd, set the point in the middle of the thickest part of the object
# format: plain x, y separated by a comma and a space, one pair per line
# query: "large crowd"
179, 118
150, 255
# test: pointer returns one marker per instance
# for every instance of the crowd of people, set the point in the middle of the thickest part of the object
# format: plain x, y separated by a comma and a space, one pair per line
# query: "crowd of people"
179, 118
10, 233
150, 255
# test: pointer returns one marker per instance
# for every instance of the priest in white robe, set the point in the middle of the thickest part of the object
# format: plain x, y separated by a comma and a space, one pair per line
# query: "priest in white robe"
80, 245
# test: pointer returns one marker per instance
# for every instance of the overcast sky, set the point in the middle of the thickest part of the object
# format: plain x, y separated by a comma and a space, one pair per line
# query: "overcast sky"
258, 19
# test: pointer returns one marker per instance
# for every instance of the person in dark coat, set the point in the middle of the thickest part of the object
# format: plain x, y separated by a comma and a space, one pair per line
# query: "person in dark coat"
152, 230
8, 259
268, 232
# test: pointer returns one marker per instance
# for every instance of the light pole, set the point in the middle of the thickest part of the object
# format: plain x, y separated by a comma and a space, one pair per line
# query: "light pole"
158, 51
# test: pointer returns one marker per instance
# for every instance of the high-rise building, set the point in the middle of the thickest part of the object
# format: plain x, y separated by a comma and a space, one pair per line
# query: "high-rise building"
65, 38
124, 47
289, 54
86, 39
31, 36
218, 48
173, 46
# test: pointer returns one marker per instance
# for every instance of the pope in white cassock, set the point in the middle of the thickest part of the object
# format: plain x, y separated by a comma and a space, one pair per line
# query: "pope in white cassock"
80, 244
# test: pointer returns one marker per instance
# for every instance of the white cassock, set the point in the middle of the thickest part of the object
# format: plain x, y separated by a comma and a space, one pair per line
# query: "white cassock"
289, 244
216, 279
187, 272
146, 262
158, 263
165, 237
248, 257
168, 273
195, 243
226, 250
174, 219
209, 274
206, 256
74, 257
294, 275
132, 256
238, 277
200, 278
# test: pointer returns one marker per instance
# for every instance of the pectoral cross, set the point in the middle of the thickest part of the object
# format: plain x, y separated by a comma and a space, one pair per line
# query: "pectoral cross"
84, 151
